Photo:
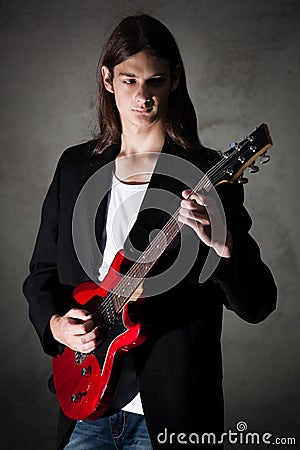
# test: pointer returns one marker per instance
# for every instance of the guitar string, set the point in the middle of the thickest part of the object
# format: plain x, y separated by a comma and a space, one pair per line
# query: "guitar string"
137, 271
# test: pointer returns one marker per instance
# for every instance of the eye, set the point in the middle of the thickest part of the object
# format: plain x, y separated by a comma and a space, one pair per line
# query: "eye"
156, 81
129, 81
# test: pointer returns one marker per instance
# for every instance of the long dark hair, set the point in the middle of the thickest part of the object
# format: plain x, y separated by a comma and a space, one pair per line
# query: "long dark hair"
134, 34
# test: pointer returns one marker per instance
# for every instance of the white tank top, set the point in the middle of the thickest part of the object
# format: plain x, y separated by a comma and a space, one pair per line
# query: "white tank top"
123, 206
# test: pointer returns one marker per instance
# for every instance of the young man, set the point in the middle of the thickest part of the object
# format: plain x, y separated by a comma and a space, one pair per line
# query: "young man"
144, 162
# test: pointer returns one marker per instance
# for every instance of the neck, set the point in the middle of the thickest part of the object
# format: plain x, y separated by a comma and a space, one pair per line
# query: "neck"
134, 141
138, 155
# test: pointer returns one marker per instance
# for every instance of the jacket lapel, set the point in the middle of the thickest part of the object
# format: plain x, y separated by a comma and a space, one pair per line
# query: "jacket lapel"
97, 176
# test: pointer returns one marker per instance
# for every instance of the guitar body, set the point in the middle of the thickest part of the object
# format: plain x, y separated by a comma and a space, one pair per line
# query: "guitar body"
85, 383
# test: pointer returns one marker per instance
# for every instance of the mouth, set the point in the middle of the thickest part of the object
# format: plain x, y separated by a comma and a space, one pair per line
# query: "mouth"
142, 111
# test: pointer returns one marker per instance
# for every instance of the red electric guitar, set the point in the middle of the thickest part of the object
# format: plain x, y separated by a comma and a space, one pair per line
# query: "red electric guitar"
86, 382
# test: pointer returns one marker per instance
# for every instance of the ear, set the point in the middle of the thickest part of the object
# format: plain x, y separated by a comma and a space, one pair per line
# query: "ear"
107, 79
175, 77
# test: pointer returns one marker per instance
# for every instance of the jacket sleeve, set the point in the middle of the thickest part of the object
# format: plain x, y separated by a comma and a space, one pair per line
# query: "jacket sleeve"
45, 294
246, 280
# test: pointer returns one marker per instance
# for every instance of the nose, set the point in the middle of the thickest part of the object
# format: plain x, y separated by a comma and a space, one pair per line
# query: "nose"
143, 95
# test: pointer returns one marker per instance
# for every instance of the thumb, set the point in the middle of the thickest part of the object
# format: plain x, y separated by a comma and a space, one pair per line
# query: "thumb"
77, 313
186, 193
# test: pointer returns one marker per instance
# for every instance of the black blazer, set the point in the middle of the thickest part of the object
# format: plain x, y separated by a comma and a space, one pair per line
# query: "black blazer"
180, 365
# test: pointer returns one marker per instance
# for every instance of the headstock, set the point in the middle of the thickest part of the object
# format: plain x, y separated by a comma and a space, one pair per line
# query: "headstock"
242, 155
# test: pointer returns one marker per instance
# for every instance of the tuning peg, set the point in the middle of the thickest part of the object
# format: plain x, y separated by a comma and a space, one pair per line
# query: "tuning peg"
264, 158
235, 146
242, 180
253, 168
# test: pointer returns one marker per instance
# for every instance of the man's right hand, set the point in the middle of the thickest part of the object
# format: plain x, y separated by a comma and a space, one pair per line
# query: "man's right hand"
76, 330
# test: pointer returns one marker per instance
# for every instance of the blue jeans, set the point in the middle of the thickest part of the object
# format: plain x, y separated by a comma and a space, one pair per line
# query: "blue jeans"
123, 431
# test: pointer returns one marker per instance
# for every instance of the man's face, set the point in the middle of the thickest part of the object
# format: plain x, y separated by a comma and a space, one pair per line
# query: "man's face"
141, 85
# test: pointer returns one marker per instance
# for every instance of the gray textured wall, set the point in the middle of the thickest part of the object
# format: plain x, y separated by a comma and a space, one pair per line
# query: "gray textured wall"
242, 61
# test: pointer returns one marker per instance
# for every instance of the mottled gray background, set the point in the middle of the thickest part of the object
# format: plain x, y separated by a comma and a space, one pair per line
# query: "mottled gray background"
242, 61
